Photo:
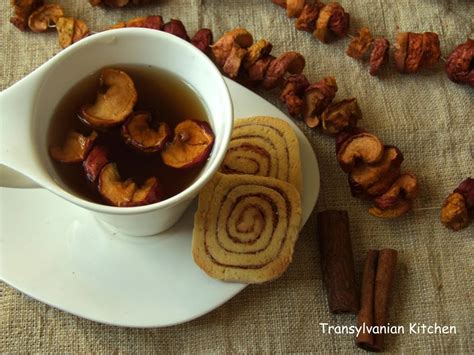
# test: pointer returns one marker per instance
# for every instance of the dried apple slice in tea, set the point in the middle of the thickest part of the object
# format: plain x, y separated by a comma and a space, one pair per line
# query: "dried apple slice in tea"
126, 193
144, 134
115, 100
191, 144
75, 148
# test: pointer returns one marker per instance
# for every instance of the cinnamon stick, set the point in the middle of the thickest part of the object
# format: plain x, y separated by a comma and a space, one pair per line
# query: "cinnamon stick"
377, 281
337, 261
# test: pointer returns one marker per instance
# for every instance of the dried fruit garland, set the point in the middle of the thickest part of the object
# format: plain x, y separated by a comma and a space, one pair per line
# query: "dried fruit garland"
411, 52
33, 15
119, 3
373, 168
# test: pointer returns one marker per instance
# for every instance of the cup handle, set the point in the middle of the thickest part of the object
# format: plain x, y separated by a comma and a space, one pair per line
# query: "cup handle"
18, 164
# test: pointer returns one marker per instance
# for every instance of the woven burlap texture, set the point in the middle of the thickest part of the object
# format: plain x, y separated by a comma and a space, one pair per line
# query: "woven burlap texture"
428, 117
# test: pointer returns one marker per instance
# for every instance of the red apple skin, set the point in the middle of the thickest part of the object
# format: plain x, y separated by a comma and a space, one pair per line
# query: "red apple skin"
94, 162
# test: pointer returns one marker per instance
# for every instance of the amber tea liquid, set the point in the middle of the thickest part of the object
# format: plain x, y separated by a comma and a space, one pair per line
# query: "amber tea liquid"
166, 96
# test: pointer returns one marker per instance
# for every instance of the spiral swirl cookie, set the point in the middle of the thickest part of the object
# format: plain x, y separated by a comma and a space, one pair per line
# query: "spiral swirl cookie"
264, 146
246, 227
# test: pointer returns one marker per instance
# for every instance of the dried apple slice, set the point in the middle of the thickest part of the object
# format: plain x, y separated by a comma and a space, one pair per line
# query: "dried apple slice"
126, 193
42, 18
362, 147
191, 144
96, 160
149, 193
115, 100
74, 149
141, 133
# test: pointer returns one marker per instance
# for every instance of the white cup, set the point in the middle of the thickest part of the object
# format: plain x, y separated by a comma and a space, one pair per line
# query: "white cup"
27, 107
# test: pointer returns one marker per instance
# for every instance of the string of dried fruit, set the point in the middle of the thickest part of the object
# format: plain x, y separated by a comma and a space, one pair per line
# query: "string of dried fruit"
327, 22
458, 208
374, 168
33, 15
411, 52
119, 3
202, 39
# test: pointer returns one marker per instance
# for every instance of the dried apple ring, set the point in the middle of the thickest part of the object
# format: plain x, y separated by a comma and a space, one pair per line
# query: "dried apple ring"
362, 147
75, 148
141, 133
45, 16
126, 193
70, 30
191, 145
114, 102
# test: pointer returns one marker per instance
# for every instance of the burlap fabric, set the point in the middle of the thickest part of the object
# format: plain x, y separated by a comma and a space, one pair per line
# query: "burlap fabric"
428, 117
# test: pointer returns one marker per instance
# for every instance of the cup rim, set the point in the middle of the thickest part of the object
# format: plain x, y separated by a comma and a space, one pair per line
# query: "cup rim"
208, 170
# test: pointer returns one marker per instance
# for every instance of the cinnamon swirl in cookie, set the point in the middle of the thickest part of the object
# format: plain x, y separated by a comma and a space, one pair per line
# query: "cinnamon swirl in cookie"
246, 227
264, 146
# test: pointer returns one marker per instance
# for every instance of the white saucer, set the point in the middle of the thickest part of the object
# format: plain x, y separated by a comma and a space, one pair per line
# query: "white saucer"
59, 254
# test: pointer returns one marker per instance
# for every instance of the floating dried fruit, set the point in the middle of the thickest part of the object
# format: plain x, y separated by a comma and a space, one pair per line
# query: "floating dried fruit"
115, 100
126, 193
74, 149
191, 145
145, 135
